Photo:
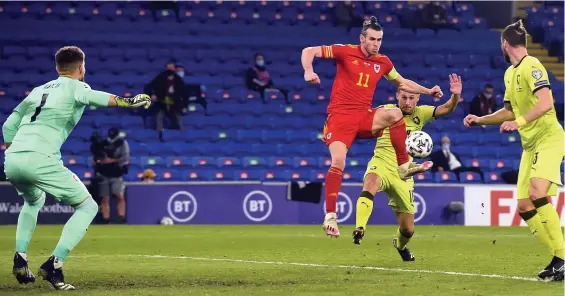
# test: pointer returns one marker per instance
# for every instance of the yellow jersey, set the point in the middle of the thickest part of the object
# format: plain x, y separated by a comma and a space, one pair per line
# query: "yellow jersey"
521, 82
384, 151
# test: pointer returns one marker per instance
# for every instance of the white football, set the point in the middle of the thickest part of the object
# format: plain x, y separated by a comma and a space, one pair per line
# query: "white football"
167, 221
419, 144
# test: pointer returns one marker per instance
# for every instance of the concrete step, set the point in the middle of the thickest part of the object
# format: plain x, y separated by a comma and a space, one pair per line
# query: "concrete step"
538, 52
547, 59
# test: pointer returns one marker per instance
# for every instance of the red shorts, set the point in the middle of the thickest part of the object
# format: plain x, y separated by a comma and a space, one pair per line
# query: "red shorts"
346, 128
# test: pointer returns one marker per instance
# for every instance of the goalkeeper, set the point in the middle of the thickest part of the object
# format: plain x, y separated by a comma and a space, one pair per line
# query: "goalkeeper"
34, 133
381, 174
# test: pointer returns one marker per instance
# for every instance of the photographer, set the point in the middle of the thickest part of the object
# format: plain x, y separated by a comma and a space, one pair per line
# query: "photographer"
110, 170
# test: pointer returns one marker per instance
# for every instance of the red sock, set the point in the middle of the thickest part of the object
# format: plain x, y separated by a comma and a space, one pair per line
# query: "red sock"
333, 184
398, 140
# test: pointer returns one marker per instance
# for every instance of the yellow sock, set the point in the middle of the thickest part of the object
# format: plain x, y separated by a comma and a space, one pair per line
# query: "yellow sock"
550, 219
402, 239
537, 228
364, 209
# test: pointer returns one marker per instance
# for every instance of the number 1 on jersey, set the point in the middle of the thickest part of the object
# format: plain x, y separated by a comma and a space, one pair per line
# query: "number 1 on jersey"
38, 109
366, 84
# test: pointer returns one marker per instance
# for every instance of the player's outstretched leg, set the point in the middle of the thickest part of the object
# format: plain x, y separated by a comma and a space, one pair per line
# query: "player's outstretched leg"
338, 151
27, 220
394, 120
73, 232
403, 235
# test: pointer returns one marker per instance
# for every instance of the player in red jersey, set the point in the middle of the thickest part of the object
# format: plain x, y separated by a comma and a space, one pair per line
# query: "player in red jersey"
350, 116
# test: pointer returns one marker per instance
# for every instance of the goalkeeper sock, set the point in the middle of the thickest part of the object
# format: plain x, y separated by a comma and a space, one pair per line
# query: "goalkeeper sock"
551, 223
333, 184
364, 209
75, 228
402, 239
536, 227
27, 220
398, 141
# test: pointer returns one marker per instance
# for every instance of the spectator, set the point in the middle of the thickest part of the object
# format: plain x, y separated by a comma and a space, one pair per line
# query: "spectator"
111, 169
447, 160
344, 15
434, 16
257, 78
193, 92
148, 176
169, 90
484, 103
97, 152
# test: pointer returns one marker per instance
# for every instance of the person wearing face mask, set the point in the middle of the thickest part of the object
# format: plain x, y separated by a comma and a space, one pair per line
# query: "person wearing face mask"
447, 160
484, 103
169, 91
258, 79
434, 16
111, 170
193, 93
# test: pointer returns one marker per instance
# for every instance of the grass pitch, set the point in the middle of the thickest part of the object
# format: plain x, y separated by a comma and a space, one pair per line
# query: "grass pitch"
286, 260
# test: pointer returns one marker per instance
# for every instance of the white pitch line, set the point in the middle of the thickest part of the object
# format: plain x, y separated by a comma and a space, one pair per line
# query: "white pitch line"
495, 276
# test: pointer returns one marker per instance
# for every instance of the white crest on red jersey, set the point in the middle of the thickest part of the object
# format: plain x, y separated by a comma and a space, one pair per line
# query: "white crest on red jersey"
377, 68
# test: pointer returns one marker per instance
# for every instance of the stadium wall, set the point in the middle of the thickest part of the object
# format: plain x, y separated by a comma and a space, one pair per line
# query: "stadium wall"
268, 203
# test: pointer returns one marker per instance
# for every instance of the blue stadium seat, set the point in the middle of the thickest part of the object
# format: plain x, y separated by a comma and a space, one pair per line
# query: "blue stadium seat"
245, 175
153, 162
305, 162
470, 177
228, 162
255, 162
426, 177
493, 178
201, 162
446, 177
179, 162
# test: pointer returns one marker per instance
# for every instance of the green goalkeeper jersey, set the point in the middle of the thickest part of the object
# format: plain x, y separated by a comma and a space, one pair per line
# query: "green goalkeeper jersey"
45, 118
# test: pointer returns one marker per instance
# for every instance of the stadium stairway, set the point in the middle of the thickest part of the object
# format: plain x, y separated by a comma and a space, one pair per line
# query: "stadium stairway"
521, 8
552, 64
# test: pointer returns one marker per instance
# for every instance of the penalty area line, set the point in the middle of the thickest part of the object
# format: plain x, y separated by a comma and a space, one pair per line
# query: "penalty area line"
466, 274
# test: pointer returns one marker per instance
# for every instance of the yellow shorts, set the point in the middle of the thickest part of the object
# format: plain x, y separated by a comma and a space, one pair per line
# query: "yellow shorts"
544, 162
400, 193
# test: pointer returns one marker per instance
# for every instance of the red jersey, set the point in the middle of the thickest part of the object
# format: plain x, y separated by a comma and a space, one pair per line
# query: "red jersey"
356, 77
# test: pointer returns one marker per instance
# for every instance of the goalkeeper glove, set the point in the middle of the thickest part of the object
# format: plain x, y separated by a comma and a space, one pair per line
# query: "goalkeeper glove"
137, 101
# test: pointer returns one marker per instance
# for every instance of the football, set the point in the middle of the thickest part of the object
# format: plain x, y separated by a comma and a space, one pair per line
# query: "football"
419, 144
167, 221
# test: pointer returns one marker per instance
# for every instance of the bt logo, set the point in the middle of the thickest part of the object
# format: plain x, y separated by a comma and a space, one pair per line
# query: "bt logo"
182, 206
257, 206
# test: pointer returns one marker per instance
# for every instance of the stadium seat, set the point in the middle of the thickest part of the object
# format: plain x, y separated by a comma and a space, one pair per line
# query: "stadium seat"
470, 177
446, 177
493, 178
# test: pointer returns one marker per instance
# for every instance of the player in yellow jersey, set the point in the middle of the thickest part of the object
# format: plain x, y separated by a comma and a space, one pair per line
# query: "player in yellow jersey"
528, 108
381, 174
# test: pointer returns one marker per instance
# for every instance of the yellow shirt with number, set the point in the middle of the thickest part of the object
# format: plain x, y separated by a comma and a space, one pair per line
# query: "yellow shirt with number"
384, 151
521, 82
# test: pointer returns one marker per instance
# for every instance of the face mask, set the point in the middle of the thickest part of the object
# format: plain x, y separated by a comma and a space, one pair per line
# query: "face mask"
181, 74
113, 135
445, 146
260, 63
488, 95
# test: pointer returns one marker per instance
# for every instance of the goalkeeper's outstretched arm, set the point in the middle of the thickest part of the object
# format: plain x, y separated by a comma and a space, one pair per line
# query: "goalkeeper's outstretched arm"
104, 99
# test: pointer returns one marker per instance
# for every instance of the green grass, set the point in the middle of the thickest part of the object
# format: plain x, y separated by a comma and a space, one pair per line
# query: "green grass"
106, 261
